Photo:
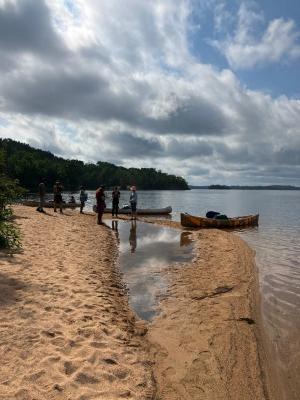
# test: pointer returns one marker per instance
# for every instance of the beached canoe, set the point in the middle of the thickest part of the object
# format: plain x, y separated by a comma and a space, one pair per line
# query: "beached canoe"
48, 204
191, 221
142, 211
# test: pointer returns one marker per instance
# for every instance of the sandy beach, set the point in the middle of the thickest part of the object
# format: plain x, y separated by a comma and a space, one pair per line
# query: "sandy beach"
67, 332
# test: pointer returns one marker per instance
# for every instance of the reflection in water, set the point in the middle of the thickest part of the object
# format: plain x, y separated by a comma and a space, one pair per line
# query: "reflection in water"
114, 227
185, 238
132, 236
143, 265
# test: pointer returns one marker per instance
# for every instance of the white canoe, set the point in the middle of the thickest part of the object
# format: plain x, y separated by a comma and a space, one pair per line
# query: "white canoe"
142, 211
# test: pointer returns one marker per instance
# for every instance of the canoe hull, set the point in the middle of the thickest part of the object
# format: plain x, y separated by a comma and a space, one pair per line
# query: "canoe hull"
191, 221
142, 211
48, 204
126, 211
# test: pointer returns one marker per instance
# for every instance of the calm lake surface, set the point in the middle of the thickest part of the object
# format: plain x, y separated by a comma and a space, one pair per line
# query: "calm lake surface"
146, 251
277, 245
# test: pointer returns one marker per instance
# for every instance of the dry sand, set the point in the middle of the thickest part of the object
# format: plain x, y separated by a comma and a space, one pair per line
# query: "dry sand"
66, 331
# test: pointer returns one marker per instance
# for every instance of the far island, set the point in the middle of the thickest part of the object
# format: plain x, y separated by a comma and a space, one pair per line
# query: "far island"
247, 187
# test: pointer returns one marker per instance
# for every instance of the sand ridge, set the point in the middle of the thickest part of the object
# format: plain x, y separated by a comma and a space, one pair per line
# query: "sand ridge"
204, 342
66, 331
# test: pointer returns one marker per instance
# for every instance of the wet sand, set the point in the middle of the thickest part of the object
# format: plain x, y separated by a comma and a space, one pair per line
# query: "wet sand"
66, 331
205, 340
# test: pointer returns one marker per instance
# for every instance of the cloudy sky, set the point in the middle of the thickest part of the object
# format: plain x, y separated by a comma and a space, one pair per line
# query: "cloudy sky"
206, 89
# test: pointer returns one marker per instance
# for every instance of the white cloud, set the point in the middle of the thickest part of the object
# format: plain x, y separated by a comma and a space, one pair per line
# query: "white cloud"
121, 85
246, 48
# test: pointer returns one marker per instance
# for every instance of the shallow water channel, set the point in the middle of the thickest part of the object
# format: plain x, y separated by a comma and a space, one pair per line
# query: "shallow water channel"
146, 251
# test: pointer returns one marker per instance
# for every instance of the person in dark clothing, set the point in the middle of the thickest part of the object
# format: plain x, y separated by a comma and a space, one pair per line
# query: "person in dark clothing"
83, 198
115, 201
100, 198
57, 191
42, 192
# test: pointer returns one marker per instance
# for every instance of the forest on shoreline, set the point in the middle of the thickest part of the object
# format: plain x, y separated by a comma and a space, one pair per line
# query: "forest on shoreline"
30, 165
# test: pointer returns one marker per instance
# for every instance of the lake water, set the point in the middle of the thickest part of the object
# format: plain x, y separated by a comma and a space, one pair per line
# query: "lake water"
277, 245
146, 250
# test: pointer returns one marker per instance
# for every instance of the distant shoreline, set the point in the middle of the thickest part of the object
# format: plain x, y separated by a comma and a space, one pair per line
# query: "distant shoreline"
224, 187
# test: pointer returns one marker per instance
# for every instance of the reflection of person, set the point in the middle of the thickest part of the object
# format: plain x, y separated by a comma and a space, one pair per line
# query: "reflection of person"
133, 202
100, 198
115, 202
132, 237
185, 239
57, 190
42, 192
114, 226
83, 198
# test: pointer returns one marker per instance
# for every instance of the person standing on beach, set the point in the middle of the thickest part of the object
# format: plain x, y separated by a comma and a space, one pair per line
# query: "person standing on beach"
100, 198
83, 198
115, 201
133, 202
42, 192
57, 191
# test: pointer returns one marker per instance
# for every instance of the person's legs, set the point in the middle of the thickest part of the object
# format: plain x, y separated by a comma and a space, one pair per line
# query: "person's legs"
60, 204
113, 209
133, 211
81, 207
100, 214
42, 202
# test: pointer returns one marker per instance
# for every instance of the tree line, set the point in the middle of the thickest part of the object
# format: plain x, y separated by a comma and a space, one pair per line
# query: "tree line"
30, 165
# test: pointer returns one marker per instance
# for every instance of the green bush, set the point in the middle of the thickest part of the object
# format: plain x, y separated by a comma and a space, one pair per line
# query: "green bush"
9, 236
10, 191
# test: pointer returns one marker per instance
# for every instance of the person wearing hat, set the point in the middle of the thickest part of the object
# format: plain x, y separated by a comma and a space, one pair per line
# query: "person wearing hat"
57, 190
133, 202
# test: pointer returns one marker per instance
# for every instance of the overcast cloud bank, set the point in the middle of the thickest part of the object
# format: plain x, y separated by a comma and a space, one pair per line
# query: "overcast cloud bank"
117, 81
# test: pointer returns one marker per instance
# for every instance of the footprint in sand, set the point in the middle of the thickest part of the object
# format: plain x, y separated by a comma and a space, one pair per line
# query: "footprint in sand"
84, 379
70, 368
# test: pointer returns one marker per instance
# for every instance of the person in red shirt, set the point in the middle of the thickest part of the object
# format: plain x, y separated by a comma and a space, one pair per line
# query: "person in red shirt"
100, 198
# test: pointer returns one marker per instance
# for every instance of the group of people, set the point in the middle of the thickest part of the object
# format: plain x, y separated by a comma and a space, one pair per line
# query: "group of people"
115, 197
100, 200
57, 197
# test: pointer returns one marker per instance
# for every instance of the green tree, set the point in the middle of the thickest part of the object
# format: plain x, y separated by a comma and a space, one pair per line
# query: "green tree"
9, 192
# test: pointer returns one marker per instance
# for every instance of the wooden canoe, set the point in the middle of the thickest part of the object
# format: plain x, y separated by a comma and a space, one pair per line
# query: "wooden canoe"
191, 221
142, 211
48, 204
